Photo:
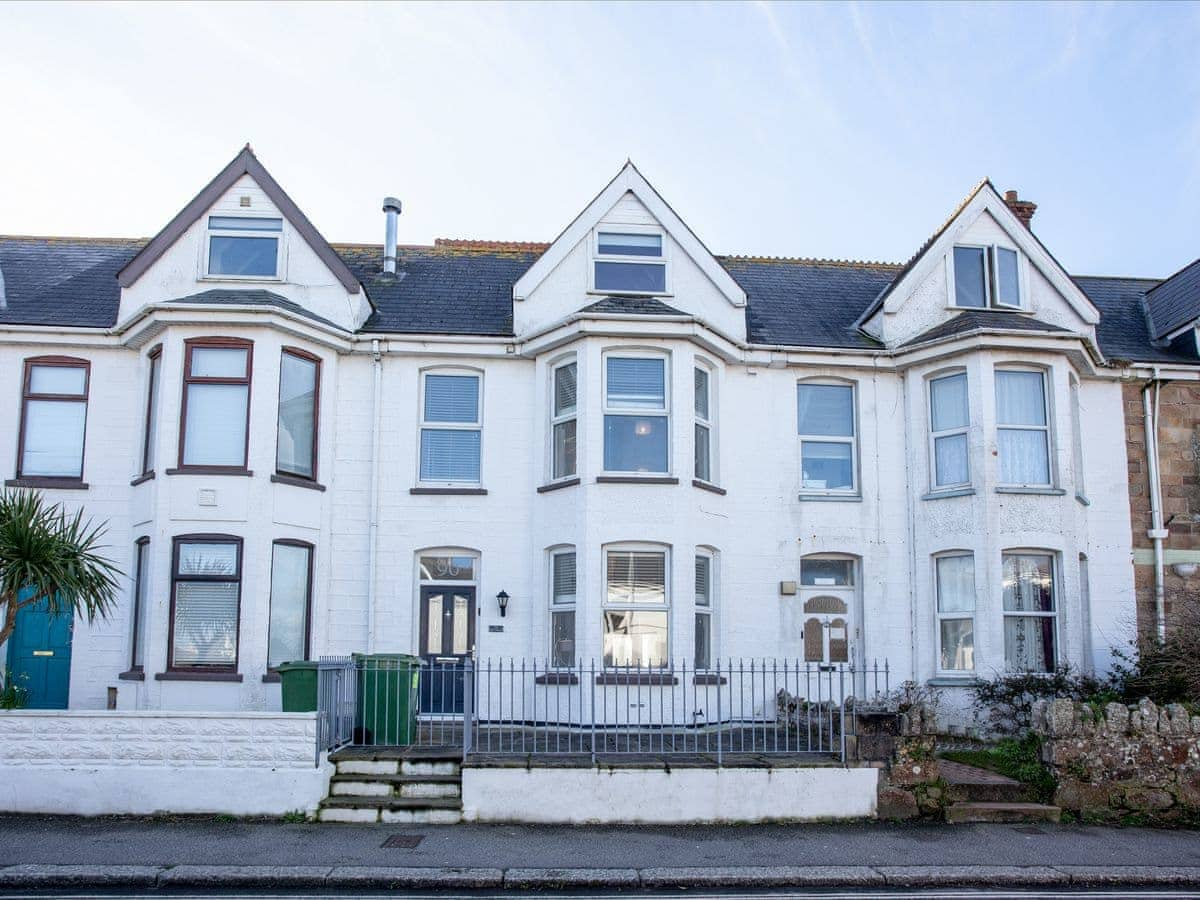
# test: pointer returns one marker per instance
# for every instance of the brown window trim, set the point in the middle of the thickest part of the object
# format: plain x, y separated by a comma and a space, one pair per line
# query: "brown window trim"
297, 481
312, 553
628, 678
134, 674
463, 491
558, 485
199, 673
142, 546
210, 470
189, 345
66, 362
48, 482
271, 677
313, 358
636, 479
155, 359
141, 479
708, 486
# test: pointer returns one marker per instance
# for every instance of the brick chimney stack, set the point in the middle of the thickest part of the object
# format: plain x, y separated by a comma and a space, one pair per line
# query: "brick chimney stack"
1023, 209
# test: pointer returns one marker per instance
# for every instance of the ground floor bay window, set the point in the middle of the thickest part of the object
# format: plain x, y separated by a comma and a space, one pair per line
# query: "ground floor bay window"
205, 601
1030, 612
636, 608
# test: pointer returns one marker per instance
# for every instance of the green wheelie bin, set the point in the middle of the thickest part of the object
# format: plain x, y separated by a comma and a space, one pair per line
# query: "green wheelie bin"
387, 698
298, 684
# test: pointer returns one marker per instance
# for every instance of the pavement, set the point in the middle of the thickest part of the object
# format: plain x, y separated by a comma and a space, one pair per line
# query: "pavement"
188, 853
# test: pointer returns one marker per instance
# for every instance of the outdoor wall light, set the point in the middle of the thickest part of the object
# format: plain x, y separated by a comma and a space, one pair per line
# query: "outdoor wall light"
1185, 569
502, 599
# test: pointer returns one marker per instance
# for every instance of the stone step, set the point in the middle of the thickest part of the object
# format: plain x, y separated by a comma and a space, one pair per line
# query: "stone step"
991, 793
965, 812
383, 767
389, 816
401, 779
390, 753
360, 801
378, 788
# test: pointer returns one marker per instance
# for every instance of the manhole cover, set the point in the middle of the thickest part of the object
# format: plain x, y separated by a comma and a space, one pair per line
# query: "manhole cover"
403, 841
1029, 829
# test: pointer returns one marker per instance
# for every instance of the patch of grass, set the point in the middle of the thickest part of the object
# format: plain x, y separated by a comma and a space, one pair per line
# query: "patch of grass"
225, 818
295, 817
1016, 758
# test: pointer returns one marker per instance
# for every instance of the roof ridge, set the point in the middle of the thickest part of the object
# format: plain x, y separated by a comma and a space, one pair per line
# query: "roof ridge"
481, 244
73, 238
1176, 274
811, 261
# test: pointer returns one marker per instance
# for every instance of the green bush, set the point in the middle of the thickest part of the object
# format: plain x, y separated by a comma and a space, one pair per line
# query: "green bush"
13, 695
1016, 758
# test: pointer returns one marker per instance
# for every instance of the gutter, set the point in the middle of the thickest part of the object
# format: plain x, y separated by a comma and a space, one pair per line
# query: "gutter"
373, 493
1157, 533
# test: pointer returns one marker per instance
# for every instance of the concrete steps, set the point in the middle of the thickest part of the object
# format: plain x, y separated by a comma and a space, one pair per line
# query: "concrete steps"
979, 795
394, 786
963, 813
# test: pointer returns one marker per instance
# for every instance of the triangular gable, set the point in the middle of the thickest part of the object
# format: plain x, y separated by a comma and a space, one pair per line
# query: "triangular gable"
983, 198
629, 179
245, 163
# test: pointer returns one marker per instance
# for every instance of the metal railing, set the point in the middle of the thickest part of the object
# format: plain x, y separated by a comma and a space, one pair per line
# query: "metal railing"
759, 706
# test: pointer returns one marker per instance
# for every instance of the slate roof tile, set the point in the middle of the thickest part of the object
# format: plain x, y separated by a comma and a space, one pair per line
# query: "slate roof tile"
636, 306
981, 320
1175, 301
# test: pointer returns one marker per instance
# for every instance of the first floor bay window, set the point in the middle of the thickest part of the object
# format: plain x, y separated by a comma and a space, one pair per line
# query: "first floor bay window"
956, 612
635, 415
562, 608
1030, 611
635, 608
564, 420
291, 602
949, 421
1022, 427
216, 404
205, 602
451, 428
827, 426
296, 437
53, 415
704, 611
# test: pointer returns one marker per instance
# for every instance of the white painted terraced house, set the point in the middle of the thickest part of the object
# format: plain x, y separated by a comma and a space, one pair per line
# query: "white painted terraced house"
655, 453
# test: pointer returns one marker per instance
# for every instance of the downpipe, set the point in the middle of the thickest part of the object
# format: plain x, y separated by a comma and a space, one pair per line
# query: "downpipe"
373, 493
1157, 533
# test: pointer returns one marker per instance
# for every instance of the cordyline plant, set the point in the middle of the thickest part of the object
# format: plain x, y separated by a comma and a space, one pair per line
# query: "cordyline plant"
48, 554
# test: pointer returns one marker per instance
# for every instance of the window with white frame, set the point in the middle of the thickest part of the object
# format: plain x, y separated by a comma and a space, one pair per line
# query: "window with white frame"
949, 422
562, 608
244, 246
451, 428
629, 262
704, 425
704, 610
1030, 611
1023, 427
828, 438
987, 276
636, 608
955, 577
636, 418
564, 407
1077, 440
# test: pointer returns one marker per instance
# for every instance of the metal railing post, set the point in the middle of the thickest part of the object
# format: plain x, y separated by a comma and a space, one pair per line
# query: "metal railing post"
468, 705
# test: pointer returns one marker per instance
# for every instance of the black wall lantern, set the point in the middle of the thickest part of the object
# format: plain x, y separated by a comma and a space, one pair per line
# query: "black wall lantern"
502, 599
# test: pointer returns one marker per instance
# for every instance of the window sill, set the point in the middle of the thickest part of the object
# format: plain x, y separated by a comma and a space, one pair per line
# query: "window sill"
953, 492
210, 470
1084, 500
56, 484
247, 279
615, 293
621, 678
954, 307
557, 678
558, 485
132, 675
712, 679
198, 676
296, 481
962, 681
708, 486
1044, 491
636, 479
272, 678
461, 491
824, 498
142, 479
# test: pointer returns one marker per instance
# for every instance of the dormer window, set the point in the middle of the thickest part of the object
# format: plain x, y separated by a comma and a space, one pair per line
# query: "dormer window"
244, 247
986, 277
629, 263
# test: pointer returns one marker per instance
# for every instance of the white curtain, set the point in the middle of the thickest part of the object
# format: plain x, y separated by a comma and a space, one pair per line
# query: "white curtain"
948, 399
1020, 398
950, 460
956, 584
826, 409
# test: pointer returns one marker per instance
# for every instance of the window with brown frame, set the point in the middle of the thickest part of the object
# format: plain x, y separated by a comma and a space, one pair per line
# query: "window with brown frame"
299, 392
137, 630
214, 432
54, 400
206, 591
291, 602
148, 454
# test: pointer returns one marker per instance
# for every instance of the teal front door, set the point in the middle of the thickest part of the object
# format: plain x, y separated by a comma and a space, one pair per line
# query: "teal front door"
39, 656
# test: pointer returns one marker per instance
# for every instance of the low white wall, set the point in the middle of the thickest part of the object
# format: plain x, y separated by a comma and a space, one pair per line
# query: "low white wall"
581, 796
88, 762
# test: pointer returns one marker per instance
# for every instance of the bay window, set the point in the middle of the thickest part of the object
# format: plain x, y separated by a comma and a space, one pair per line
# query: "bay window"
828, 438
214, 431
206, 588
291, 602
1022, 428
1030, 612
949, 422
629, 262
451, 429
704, 611
150, 438
955, 577
563, 420
244, 247
987, 276
296, 435
635, 608
562, 609
703, 425
54, 403
137, 621
636, 418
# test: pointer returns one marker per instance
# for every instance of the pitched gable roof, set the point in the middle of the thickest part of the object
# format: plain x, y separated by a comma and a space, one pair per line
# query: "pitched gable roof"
245, 163
1176, 301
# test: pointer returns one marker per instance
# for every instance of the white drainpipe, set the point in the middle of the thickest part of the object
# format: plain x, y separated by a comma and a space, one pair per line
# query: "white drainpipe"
1157, 533
373, 496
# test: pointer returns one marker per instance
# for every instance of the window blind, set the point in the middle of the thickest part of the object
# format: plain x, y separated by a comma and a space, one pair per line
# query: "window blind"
205, 623
564, 578
702, 393
636, 383
449, 455
948, 401
703, 581
826, 409
635, 577
452, 398
565, 389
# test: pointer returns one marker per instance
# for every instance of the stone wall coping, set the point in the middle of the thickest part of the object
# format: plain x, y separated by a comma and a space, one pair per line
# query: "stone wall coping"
253, 715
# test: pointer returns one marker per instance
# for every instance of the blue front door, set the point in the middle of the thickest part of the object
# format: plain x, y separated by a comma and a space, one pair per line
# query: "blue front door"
39, 656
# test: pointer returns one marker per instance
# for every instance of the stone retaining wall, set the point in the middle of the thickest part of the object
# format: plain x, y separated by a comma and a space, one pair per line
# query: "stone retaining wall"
901, 746
1119, 760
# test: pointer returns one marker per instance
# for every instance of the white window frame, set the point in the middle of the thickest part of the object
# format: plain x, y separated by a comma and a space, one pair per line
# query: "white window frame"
991, 253
1056, 595
964, 430
477, 425
556, 419
958, 616
555, 607
708, 611
855, 487
280, 251
663, 412
1048, 427
596, 256
1077, 440
665, 607
708, 422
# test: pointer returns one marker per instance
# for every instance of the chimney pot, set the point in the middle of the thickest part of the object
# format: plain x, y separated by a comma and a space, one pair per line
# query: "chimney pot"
391, 210
1022, 209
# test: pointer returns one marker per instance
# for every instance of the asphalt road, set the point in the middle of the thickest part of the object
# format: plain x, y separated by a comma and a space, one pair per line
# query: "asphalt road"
163, 842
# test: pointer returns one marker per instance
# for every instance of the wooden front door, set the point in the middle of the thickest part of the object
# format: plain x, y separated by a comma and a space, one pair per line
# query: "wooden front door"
39, 656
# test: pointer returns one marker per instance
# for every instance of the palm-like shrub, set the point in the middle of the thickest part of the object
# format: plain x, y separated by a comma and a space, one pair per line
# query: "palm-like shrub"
48, 554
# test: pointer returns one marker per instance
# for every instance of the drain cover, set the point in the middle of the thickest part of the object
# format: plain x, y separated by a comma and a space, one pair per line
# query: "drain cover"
403, 841
1029, 829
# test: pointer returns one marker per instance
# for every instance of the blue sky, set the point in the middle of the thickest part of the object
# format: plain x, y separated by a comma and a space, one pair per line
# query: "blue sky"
846, 131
